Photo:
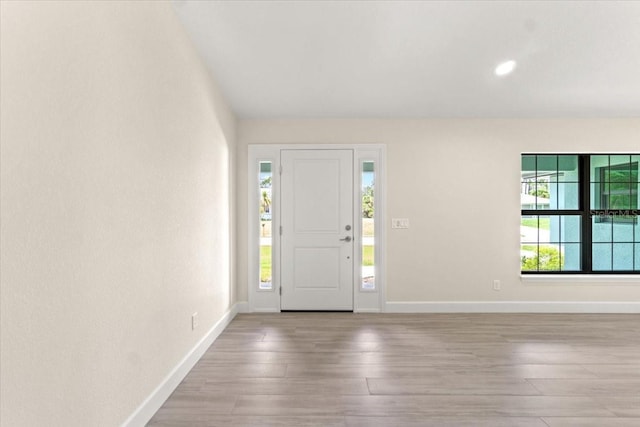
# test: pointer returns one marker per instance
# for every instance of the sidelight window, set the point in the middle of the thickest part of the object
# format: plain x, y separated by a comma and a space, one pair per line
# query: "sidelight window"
265, 178
368, 218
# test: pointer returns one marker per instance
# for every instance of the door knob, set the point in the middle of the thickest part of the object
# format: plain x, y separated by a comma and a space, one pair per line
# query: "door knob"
346, 239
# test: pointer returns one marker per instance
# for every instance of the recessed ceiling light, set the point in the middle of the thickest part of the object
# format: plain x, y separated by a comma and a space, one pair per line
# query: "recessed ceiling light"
505, 68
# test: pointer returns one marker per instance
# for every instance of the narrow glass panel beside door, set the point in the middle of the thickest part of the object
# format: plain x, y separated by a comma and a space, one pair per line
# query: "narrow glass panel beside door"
367, 192
266, 237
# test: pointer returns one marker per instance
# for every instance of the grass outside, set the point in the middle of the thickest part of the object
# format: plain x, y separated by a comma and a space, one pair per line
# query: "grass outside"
544, 224
265, 264
368, 255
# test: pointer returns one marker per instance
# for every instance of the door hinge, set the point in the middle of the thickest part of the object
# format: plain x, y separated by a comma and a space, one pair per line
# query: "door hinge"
281, 230
280, 169
280, 289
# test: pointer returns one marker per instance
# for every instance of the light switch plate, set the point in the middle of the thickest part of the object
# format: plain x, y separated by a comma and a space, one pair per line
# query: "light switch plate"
399, 222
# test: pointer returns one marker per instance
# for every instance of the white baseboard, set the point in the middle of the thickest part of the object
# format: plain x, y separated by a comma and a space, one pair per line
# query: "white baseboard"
511, 307
367, 310
156, 399
242, 307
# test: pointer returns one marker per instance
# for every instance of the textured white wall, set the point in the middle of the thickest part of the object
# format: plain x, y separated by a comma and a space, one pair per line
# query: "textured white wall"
458, 183
116, 160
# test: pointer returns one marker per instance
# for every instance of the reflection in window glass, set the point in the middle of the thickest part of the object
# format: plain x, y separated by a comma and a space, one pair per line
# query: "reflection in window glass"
614, 244
549, 182
266, 239
614, 184
368, 226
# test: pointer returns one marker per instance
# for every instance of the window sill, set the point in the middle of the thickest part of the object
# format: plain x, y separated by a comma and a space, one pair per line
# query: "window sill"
631, 279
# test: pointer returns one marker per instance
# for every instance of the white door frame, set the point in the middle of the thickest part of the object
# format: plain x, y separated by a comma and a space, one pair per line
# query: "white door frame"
269, 300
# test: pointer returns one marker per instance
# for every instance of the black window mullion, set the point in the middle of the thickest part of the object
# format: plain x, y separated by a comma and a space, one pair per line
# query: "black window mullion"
612, 220
584, 165
557, 184
538, 232
560, 242
535, 183
549, 212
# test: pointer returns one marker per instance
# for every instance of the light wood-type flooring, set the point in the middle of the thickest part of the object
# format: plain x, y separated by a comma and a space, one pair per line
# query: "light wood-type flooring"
454, 370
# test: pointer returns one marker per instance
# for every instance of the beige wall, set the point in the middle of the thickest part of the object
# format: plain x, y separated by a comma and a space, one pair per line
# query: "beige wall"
116, 157
458, 183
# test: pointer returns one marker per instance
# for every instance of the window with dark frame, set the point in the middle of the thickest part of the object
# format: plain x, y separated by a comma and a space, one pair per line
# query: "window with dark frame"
579, 213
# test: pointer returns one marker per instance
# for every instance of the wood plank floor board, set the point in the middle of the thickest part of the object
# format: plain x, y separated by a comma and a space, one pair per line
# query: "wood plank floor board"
287, 386
591, 422
242, 336
229, 345
527, 371
590, 387
615, 370
425, 406
470, 405
422, 421
446, 370
495, 348
359, 371
560, 358
452, 385
226, 358
257, 370
621, 406
416, 359
357, 346
294, 405
250, 421
382, 370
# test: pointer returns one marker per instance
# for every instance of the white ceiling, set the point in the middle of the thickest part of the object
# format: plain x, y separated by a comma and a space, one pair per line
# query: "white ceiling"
275, 59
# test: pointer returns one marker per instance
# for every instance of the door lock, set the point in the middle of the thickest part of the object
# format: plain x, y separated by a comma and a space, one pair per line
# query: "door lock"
346, 239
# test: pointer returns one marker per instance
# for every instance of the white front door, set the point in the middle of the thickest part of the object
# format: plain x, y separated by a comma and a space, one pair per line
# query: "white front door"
317, 230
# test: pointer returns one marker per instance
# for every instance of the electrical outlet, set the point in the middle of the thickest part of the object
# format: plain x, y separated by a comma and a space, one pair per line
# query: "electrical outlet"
496, 285
194, 321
